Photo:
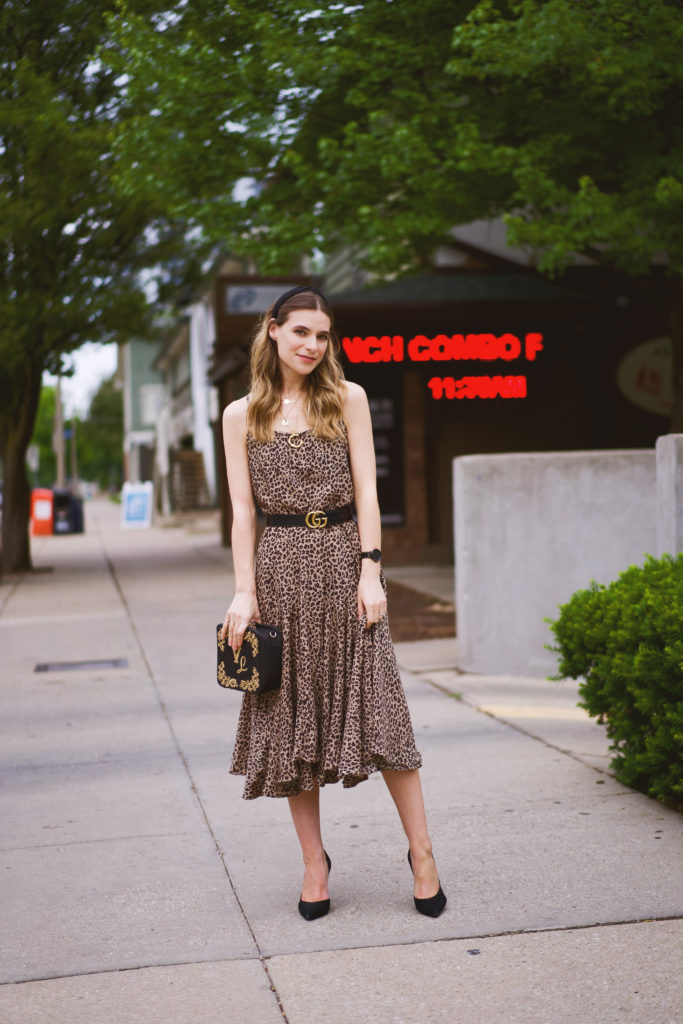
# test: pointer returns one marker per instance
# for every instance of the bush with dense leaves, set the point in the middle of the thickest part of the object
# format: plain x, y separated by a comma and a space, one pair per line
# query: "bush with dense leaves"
625, 643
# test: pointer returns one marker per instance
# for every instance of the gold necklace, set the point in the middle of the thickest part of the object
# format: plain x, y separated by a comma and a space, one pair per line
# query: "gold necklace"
287, 401
294, 439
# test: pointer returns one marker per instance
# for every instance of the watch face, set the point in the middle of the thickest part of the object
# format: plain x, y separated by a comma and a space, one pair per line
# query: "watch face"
375, 554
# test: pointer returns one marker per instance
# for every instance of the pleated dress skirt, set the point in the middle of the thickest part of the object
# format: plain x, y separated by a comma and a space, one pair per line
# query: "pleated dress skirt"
340, 712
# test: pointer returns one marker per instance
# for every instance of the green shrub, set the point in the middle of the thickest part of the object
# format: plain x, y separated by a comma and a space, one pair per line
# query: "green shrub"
625, 643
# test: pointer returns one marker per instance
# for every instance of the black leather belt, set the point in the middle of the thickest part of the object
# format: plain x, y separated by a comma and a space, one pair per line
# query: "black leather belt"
315, 519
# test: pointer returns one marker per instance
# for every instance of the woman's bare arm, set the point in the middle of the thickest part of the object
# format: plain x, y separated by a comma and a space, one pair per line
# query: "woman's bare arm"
244, 606
371, 597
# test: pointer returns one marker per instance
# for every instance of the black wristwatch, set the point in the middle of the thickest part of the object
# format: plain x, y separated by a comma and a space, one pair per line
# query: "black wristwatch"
375, 554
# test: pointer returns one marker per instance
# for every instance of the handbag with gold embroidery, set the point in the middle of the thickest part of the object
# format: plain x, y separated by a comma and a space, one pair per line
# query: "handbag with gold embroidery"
257, 666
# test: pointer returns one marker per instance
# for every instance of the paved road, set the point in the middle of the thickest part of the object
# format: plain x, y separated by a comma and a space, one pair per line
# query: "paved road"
138, 886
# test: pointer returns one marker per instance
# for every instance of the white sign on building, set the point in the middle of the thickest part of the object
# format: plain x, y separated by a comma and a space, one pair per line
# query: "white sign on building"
253, 298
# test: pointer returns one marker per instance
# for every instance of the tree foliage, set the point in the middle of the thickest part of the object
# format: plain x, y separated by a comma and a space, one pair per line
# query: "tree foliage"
384, 124
314, 105
43, 431
72, 245
100, 438
583, 108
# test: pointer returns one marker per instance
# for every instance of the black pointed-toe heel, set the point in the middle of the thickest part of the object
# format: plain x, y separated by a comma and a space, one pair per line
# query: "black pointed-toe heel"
317, 908
433, 905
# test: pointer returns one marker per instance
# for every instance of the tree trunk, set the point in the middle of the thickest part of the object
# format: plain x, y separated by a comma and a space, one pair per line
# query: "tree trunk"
15, 551
676, 332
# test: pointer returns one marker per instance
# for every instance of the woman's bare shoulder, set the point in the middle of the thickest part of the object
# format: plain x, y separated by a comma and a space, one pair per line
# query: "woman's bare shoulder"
235, 415
355, 401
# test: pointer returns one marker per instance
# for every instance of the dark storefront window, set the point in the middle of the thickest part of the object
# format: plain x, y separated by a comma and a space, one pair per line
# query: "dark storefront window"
387, 429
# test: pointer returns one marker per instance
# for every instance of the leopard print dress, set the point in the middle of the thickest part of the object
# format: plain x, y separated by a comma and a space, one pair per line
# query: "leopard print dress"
340, 712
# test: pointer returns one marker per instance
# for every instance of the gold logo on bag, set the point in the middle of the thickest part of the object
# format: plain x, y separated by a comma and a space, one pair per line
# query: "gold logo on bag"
250, 684
316, 519
246, 685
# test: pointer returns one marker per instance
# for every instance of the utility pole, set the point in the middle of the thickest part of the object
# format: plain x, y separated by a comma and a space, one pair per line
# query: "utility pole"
74, 464
58, 436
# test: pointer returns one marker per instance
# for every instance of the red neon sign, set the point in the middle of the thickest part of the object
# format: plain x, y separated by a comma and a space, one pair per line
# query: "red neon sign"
442, 348
450, 348
478, 387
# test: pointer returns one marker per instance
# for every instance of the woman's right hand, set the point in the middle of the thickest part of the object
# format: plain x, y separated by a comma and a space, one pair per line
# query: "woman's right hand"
243, 610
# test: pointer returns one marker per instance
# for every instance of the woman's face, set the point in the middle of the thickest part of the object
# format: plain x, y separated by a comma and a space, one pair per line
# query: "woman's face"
302, 339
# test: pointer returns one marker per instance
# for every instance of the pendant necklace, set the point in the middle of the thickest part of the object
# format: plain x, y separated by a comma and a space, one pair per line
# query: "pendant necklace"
288, 401
293, 438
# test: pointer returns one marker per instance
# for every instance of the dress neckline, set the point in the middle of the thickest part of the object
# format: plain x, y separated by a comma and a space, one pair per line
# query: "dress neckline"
291, 433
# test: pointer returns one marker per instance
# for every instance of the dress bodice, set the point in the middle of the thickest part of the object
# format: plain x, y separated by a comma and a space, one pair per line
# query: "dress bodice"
316, 475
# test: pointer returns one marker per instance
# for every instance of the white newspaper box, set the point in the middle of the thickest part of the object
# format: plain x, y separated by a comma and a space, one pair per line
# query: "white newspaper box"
136, 506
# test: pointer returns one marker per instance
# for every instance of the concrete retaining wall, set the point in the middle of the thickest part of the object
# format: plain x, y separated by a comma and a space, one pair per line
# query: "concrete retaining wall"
530, 529
670, 494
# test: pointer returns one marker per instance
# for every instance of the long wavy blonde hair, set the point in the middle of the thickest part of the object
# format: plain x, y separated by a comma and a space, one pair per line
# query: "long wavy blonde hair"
323, 388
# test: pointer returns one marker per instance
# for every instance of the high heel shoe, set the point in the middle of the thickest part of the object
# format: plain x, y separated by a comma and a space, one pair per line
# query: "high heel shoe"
432, 905
316, 908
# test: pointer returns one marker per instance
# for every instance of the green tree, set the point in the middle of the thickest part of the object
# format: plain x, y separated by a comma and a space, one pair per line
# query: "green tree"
385, 124
43, 431
580, 105
100, 437
72, 247
320, 107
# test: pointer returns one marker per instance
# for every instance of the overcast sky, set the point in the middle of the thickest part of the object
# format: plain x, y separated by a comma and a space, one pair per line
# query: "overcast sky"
92, 363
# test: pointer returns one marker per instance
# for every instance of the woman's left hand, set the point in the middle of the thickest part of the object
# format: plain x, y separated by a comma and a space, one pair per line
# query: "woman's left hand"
371, 599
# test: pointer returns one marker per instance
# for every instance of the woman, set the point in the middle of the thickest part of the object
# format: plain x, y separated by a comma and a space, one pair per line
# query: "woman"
301, 444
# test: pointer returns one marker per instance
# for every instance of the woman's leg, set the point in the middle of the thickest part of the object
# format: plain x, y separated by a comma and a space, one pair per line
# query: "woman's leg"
305, 810
406, 792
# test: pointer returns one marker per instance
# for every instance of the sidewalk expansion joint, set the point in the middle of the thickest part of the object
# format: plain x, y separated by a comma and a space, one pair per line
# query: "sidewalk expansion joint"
193, 786
100, 762
36, 620
508, 934
11, 590
263, 959
148, 966
86, 842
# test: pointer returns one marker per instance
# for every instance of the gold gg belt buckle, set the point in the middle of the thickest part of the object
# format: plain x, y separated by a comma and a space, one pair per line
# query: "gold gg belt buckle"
316, 519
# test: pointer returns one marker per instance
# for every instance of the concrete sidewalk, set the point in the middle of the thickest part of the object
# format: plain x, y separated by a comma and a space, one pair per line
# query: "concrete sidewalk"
139, 887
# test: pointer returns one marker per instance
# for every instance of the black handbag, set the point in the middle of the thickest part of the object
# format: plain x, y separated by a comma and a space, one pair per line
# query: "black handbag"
257, 666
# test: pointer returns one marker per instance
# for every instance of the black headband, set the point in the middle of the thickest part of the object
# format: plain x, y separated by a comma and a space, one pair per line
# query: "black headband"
288, 295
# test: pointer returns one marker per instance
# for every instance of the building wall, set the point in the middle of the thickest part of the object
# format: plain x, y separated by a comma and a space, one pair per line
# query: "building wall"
202, 341
530, 530
343, 271
148, 384
143, 398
